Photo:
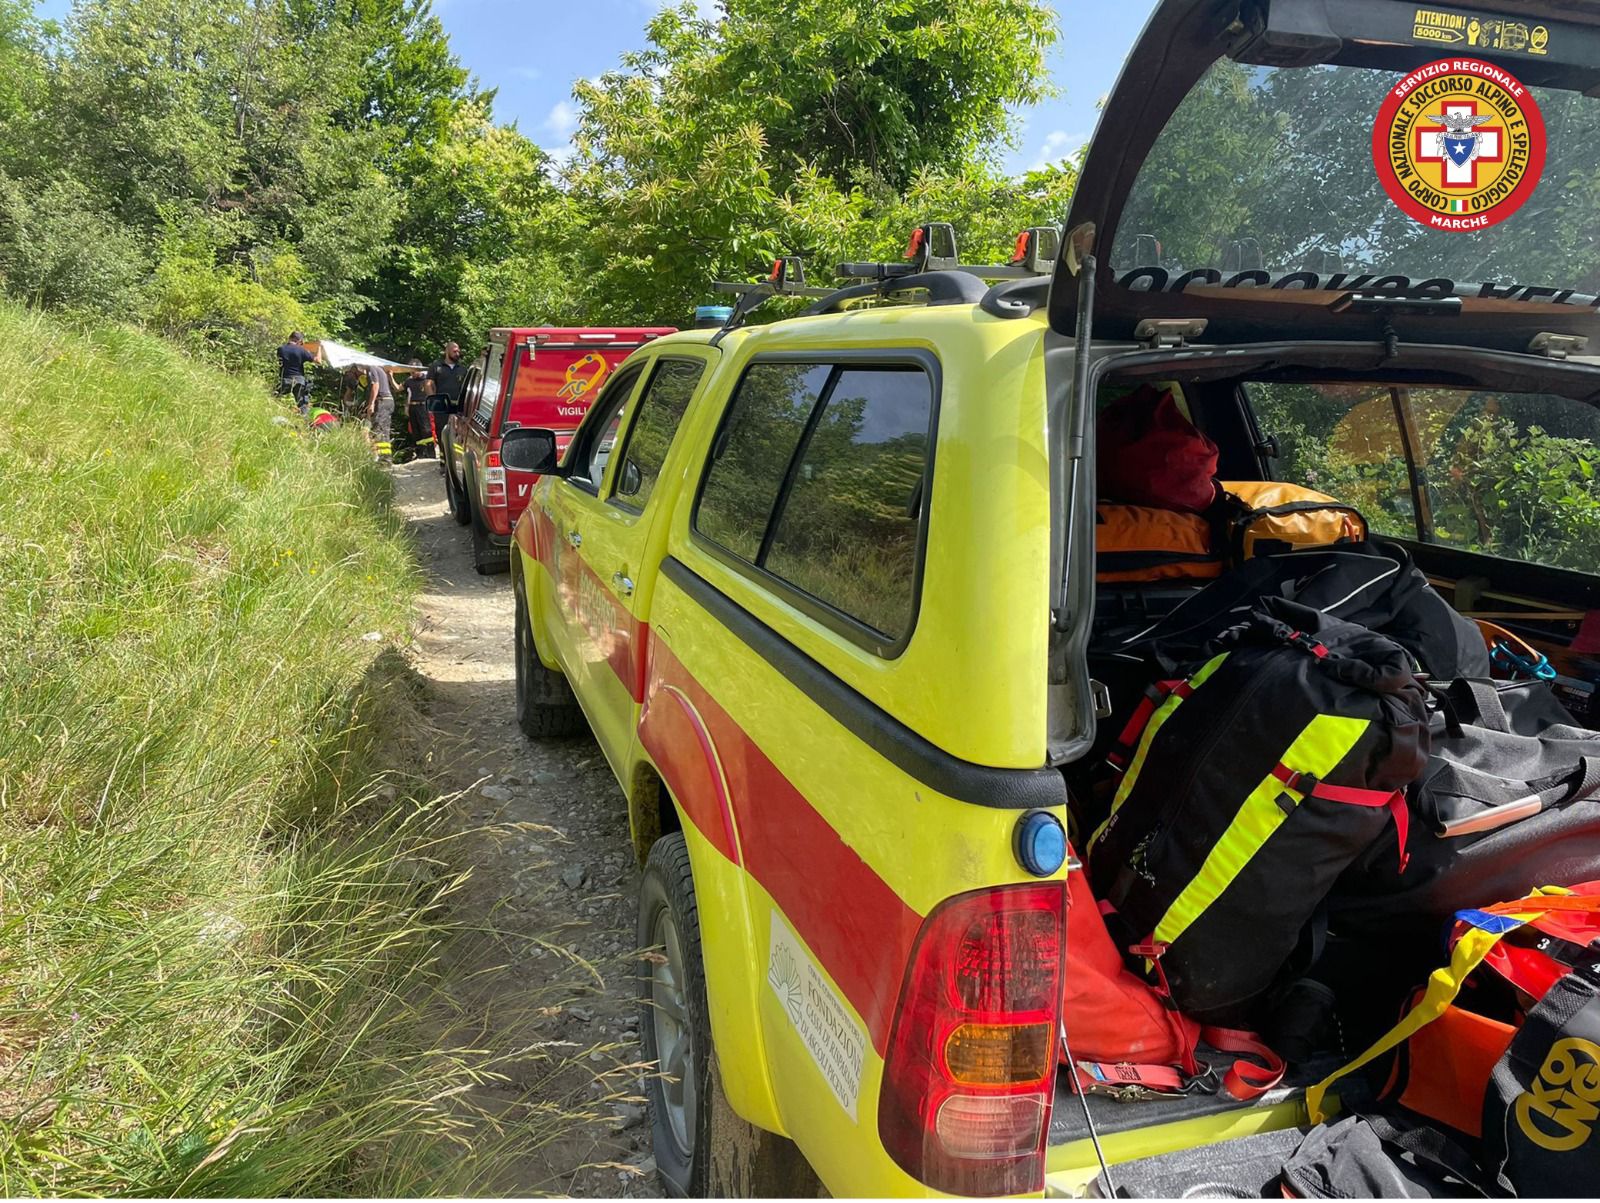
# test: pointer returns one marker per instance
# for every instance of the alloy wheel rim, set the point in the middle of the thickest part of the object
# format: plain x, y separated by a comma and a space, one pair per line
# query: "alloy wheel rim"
674, 1035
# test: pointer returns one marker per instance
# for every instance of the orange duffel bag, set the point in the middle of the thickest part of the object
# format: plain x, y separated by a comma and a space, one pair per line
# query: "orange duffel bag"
1265, 517
1139, 544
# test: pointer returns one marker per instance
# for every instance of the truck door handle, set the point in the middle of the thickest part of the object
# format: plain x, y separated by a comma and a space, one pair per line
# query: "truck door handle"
623, 583
574, 538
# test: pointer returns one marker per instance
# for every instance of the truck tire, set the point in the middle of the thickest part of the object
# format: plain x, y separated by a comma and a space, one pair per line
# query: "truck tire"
459, 510
546, 708
486, 557
703, 1149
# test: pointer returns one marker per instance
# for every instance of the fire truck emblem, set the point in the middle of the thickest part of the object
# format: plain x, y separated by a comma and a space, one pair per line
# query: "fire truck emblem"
1459, 144
584, 376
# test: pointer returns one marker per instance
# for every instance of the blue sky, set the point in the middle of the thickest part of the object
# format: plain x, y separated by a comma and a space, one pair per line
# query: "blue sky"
532, 51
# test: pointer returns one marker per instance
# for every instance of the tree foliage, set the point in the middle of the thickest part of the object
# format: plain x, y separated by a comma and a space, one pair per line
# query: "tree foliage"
221, 169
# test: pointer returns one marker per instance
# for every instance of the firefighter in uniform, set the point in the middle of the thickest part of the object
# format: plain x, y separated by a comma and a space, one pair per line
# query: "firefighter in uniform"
377, 408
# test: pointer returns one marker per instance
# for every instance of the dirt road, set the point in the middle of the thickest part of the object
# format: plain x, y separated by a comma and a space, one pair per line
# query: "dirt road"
556, 884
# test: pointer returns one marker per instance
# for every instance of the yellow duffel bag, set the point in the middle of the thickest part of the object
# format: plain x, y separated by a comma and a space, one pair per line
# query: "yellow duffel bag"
1267, 517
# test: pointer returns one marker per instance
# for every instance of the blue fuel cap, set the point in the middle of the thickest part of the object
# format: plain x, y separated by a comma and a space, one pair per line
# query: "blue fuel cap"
1041, 843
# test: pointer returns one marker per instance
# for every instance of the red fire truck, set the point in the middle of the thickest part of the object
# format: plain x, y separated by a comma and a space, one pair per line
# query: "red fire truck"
542, 376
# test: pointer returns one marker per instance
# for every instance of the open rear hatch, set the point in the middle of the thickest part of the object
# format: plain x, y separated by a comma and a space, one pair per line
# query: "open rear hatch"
1234, 194
1234, 178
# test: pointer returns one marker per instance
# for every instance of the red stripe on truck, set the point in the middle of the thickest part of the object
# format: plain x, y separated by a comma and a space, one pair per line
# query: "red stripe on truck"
850, 918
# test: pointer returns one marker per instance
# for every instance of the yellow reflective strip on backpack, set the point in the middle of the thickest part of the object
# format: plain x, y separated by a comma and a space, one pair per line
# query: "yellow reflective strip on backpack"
1326, 740
1151, 728
1444, 984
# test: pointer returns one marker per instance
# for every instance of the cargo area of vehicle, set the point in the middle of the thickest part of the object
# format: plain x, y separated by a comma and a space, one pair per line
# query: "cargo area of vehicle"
1535, 580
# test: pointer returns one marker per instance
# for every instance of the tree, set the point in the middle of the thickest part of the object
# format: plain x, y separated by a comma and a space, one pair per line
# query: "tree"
479, 242
882, 88
681, 181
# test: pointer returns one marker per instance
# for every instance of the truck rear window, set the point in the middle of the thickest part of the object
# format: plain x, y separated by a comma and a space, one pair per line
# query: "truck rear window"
1504, 474
817, 478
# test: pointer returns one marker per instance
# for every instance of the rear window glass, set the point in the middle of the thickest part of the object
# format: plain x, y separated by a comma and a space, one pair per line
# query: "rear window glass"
1271, 170
1505, 474
848, 534
751, 455
817, 479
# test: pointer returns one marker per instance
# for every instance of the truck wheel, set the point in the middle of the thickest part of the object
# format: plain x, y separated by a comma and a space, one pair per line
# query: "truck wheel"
546, 708
458, 504
703, 1149
486, 557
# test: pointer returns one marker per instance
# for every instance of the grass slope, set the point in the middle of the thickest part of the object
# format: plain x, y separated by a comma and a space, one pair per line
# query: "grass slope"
220, 929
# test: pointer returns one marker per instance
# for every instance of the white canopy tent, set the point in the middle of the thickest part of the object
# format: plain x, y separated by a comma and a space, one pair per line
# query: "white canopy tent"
337, 355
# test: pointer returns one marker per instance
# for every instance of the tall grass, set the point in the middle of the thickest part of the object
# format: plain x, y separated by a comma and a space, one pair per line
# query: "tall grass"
221, 924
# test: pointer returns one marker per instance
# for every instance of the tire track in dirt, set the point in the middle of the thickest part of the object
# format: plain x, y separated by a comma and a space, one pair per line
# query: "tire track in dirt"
566, 877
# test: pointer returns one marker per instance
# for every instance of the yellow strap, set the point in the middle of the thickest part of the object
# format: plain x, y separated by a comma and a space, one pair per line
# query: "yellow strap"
1443, 985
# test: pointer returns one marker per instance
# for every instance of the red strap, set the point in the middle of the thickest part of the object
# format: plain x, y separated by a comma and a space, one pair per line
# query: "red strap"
1158, 693
1163, 1078
1246, 1080
1395, 800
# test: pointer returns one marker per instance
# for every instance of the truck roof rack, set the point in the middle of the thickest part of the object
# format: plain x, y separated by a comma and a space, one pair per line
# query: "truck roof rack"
933, 249
787, 279
932, 266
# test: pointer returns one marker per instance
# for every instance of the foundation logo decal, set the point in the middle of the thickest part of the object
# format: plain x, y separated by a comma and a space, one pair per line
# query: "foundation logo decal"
1459, 144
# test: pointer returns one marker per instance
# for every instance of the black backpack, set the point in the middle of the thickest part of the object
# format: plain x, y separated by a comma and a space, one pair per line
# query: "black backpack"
1247, 788
1374, 585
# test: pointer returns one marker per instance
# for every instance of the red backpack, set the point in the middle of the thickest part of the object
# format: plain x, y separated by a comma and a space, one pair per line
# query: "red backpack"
1126, 1038
1148, 453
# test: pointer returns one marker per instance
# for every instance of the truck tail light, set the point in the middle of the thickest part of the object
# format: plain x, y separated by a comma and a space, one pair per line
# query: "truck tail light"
494, 478
969, 1074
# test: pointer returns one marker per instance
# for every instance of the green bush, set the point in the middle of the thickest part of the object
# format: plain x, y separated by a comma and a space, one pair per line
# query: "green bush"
58, 251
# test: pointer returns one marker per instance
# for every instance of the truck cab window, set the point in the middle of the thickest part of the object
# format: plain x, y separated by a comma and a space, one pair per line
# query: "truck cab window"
656, 417
592, 445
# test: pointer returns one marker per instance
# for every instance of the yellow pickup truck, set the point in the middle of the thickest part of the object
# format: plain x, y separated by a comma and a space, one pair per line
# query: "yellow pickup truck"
824, 589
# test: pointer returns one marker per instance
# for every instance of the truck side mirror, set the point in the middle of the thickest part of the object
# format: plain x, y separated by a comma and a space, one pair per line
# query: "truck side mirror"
528, 449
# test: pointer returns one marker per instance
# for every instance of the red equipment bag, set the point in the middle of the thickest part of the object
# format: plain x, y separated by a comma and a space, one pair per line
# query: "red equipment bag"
1127, 1040
1148, 453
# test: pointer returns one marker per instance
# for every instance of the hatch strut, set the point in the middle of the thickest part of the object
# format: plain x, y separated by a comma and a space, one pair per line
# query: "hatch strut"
1077, 434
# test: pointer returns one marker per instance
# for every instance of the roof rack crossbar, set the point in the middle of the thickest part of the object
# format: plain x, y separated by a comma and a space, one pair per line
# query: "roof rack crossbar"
788, 279
942, 287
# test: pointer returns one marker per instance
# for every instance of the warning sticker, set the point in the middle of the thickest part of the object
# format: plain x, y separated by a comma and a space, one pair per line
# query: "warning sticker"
1476, 31
833, 1037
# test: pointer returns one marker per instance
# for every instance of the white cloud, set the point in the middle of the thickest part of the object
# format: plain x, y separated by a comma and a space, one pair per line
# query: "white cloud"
1058, 144
559, 155
529, 73
562, 120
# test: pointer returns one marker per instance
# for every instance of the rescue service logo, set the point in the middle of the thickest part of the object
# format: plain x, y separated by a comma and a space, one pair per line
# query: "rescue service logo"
1459, 144
1559, 1110
585, 376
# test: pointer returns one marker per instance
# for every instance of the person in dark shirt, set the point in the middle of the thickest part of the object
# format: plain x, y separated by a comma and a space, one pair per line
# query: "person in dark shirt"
448, 374
417, 424
447, 377
372, 402
292, 359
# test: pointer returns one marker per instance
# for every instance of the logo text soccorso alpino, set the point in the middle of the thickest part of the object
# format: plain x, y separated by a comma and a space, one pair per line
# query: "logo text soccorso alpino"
1459, 144
1558, 1111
